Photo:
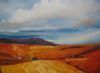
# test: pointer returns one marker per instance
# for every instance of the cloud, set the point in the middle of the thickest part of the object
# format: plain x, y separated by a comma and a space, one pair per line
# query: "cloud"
55, 8
52, 15
74, 13
87, 36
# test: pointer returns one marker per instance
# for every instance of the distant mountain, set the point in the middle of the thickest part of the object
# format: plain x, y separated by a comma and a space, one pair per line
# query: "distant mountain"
35, 41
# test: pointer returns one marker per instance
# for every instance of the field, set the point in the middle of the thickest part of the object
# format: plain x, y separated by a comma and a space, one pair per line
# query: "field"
23, 58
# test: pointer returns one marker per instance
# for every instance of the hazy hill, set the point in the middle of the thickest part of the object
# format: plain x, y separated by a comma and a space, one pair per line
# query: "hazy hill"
38, 41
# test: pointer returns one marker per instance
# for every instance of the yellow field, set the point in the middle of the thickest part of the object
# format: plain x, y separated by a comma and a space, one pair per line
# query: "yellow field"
41, 66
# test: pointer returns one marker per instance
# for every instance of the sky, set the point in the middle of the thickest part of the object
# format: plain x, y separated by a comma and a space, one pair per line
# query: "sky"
58, 21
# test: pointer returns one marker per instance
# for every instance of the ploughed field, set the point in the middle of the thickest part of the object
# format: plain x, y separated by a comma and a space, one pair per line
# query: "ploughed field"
24, 58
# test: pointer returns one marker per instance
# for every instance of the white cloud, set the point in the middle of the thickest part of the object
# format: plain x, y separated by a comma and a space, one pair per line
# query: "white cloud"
76, 13
71, 9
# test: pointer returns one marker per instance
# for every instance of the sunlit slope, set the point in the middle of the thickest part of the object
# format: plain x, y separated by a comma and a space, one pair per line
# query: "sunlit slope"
59, 52
41, 66
22, 52
90, 62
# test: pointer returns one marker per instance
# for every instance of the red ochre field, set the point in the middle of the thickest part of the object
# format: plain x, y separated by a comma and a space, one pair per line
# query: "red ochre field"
19, 58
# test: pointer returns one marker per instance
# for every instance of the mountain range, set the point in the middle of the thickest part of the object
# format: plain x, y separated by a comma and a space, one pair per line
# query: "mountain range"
34, 41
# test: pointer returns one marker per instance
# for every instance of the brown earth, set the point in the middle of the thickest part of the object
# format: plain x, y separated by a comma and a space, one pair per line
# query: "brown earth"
50, 59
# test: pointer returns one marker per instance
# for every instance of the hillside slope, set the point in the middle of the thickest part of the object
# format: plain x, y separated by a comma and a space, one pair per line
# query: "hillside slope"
81, 57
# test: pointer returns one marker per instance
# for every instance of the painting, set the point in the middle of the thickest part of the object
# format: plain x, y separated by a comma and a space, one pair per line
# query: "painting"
49, 36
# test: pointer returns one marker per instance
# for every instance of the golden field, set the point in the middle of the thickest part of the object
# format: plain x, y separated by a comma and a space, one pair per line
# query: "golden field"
19, 58
41, 66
